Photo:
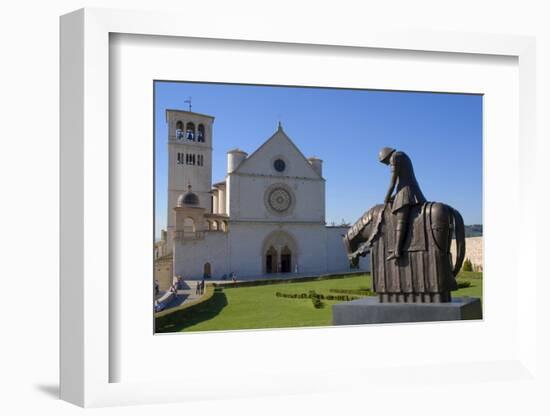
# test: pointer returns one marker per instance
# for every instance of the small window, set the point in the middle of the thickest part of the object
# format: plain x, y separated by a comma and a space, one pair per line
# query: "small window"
279, 165
200, 133
180, 158
190, 131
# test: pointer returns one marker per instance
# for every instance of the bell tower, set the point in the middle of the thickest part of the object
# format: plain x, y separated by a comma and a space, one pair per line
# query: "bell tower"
189, 161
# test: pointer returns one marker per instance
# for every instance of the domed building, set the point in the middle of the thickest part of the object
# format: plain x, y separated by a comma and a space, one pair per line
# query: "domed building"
188, 199
266, 216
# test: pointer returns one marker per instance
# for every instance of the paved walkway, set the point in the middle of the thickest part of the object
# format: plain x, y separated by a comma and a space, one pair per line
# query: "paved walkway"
280, 276
187, 292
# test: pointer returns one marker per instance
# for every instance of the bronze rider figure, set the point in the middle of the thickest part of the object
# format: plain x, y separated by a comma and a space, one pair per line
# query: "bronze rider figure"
407, 193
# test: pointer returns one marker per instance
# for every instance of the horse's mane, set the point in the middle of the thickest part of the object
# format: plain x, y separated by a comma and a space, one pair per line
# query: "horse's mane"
377, 215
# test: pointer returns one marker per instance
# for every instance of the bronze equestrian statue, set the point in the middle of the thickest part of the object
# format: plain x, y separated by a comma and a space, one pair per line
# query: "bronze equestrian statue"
408, 239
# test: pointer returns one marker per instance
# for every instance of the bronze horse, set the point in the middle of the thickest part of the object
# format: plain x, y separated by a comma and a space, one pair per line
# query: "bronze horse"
424, 272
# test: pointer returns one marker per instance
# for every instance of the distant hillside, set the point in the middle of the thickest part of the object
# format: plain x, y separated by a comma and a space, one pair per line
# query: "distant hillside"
475, 230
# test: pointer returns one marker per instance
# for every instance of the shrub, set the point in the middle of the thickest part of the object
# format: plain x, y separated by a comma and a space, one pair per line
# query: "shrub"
467, 266
315, 297
463, 283
317, 304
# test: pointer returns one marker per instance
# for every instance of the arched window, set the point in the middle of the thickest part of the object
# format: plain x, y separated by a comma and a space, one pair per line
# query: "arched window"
179, 130
200, 133
207, 270
188, 225
214, 226
190, 131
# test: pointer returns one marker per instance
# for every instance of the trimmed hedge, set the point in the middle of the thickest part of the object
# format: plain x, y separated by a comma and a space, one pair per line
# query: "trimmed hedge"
314, 295
289, 280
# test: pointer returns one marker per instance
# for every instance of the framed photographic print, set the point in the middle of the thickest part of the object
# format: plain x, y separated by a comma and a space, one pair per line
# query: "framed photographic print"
261, 240
255, 200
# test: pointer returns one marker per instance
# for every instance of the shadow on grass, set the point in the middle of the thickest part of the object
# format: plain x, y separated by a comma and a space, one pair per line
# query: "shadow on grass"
182, 319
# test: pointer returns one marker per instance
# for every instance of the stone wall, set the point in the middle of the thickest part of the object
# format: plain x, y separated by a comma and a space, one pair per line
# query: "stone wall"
163, 272
474, 252
190, 256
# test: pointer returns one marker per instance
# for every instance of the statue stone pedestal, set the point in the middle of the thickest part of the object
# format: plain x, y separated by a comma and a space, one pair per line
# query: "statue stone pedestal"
370, 311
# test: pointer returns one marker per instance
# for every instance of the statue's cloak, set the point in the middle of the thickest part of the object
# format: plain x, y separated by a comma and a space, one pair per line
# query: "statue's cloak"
424, 266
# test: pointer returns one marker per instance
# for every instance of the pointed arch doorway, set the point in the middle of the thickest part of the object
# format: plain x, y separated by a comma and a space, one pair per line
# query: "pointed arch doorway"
286, 260
271, 260
279, 252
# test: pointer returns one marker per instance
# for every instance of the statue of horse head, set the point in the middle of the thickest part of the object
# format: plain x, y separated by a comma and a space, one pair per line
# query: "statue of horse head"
360, 236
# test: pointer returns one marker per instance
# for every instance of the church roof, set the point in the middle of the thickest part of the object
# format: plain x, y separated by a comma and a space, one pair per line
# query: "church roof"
279, 133
189, 198
189, 112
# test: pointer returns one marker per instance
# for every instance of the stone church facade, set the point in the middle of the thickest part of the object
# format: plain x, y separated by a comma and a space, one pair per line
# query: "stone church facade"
267, 215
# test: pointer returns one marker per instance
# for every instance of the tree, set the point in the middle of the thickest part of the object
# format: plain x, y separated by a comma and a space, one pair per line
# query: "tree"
467, 266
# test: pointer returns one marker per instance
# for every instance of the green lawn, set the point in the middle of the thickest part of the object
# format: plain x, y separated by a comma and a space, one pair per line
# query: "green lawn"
258, 307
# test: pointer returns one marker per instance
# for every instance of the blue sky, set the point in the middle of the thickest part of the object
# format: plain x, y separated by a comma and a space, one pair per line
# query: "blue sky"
442, 133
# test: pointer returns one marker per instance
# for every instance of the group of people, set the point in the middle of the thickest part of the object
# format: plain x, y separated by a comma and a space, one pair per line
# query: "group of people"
200, 288
232, 276
176, 282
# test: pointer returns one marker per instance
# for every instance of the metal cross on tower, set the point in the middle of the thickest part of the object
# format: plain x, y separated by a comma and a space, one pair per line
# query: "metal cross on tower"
188, 101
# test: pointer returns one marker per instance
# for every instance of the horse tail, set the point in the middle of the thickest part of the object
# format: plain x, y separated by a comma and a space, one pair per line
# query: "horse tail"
460, 236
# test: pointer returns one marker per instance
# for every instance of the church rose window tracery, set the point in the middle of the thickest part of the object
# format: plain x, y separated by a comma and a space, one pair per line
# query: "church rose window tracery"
279, 199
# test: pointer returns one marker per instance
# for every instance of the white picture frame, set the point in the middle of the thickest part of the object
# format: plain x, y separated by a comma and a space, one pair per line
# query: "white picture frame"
86, 352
